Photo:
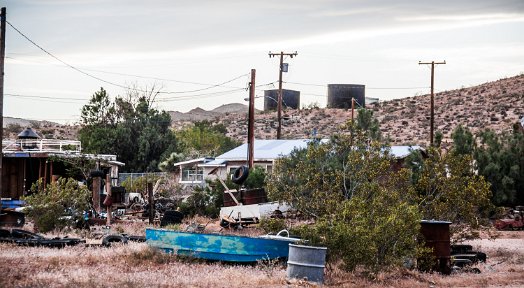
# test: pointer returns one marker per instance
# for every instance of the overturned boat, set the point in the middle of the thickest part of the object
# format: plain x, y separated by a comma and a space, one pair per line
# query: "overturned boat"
229, 248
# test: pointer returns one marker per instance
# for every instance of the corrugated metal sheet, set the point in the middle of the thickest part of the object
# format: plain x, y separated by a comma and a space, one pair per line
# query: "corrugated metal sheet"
265, 149
273, 149
403, 151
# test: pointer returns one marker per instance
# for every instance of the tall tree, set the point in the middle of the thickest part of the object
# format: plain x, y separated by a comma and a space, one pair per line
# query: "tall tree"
500, 159
129, 127
463, 141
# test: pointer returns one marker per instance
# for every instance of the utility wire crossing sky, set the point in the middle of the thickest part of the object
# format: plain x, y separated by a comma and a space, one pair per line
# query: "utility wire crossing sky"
199, 53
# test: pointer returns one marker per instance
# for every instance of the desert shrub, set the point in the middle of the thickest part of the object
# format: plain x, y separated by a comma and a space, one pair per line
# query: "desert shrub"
272, 225
149, 255
204, 201
364, 211
256, 178
59, 205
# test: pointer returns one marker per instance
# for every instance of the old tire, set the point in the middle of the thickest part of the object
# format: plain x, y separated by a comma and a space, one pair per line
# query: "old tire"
240, 175
110, 239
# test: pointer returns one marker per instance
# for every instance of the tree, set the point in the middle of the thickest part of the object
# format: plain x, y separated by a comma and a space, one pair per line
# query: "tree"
500, 159
366, 122
129, 127
463, 141
448, 189
204, 139
364, 211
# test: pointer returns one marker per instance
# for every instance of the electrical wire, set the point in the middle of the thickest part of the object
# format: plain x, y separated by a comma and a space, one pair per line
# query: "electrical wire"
43, 97
65, 63
163, 79
374, 88
113, 83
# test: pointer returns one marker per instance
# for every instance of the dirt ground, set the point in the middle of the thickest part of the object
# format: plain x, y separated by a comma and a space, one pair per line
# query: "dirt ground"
136, 265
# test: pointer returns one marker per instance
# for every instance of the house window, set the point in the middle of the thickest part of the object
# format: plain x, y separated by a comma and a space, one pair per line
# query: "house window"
193, 174
269, 169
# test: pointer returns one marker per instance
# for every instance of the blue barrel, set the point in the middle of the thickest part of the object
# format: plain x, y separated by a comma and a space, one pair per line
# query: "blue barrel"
306, 262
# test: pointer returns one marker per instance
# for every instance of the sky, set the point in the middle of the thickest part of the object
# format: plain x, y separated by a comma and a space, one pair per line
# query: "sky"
200, 53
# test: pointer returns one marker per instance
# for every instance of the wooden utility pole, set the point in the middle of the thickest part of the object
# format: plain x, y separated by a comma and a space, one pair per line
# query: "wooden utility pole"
279, 103
2, 57
432, 105
352, 119
251, 121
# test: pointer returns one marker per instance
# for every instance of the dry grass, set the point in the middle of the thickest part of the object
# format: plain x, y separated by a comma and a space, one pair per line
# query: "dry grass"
137, 265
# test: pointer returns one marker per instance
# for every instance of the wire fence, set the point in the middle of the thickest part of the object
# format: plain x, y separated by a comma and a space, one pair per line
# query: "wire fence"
133, 176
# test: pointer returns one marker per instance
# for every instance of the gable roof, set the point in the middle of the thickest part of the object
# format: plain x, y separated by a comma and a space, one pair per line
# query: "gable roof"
263, 150
269, 150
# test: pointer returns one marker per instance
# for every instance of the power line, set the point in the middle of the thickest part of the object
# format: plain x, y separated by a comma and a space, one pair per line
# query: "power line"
112, 83
43, 97
65, 63
374, 88
163, 79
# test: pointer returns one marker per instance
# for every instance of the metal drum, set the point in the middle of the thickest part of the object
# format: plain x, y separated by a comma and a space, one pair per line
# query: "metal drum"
436, 237
306, 262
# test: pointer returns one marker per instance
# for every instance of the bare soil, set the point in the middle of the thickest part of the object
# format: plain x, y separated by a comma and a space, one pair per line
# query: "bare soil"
136, 265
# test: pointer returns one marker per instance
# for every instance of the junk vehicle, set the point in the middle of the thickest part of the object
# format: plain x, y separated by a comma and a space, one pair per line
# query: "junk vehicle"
247, 206
11, 214
514, 220
26, 238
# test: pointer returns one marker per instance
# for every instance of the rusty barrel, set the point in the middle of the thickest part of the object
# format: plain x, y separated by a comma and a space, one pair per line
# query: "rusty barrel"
436, 236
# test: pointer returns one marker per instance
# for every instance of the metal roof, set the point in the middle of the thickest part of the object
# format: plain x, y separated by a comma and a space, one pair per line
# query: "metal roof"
265, 149
268, 150
203, 159
400, 152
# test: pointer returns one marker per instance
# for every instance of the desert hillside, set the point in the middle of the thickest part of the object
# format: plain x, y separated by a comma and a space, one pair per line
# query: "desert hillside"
495, 105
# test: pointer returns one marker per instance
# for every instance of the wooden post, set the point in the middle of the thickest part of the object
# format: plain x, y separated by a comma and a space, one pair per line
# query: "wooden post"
45, 175
151, 203
109, 195
3, 21
96, 190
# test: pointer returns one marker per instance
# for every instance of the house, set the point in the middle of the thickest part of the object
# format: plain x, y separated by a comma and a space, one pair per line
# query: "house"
265, 152
28, 159
195, 172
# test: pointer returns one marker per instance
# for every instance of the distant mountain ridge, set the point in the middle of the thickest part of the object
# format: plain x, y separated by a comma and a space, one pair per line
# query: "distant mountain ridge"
199, 114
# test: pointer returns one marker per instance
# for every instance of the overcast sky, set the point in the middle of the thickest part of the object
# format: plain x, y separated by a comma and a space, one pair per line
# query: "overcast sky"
184, 46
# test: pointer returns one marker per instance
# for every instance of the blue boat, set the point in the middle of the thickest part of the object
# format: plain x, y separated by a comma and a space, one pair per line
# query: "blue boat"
219, 247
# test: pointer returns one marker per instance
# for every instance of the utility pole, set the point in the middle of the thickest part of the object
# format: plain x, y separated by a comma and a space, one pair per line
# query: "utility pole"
2, 57
279, 104
352, 119
432, 105
251, 121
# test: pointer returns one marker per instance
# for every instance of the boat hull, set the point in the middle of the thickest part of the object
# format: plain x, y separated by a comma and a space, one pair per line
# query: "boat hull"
218, 247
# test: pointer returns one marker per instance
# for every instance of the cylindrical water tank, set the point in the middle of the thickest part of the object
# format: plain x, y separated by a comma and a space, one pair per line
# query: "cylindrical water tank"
290, 99
339, 95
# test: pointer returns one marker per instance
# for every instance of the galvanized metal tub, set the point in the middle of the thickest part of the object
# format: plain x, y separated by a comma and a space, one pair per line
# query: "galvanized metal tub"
306, 262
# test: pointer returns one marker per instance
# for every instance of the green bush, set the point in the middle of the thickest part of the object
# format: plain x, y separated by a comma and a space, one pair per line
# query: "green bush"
59, 205
204, 201
272, 225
